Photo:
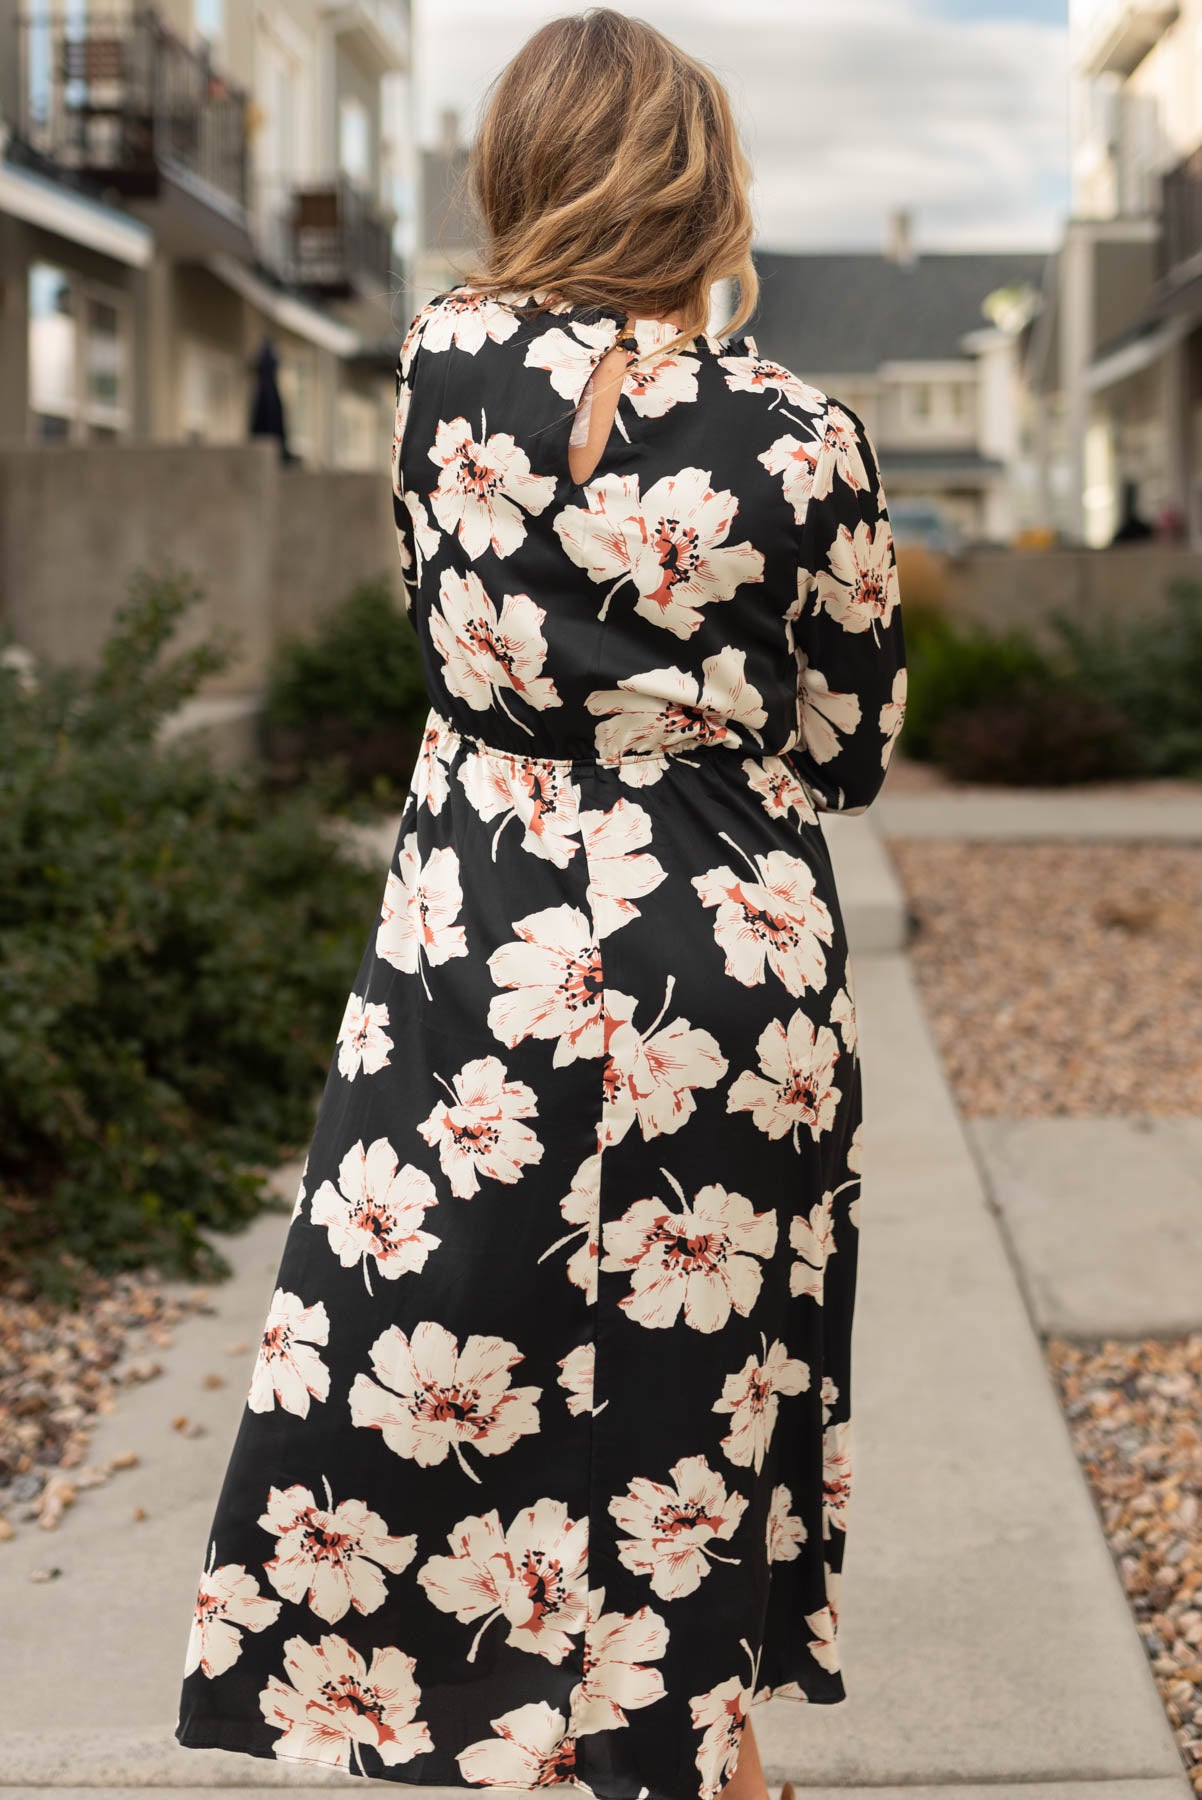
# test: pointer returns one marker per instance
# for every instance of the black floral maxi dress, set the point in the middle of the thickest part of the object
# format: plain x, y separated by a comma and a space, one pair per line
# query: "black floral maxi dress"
543, 1472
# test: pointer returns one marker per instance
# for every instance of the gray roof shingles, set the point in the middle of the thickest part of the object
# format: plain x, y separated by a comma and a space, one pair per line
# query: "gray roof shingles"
846, 312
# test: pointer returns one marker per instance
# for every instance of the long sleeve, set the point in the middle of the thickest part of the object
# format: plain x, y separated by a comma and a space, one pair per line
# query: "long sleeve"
408, 512
846, 624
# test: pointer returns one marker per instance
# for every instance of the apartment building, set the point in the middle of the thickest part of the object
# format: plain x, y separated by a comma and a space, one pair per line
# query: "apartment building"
928, 348
1116, 361
180, 184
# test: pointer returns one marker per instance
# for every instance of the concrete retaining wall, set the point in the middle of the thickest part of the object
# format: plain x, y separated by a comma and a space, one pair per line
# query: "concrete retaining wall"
272, 548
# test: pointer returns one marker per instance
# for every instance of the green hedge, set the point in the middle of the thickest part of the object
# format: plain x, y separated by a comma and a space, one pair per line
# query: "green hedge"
176, 945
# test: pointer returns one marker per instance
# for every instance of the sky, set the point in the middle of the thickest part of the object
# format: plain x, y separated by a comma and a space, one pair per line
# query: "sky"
956, 109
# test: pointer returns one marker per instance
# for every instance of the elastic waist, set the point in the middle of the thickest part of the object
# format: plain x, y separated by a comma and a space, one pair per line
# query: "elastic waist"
687, 752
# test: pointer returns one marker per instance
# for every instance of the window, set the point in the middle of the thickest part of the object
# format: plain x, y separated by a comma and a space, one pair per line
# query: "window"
354, 140
79, 358
920, 400
214, 395
208, 20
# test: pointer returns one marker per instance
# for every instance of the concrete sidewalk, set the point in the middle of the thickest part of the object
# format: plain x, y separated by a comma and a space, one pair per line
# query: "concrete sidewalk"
1042, 815
987, 1641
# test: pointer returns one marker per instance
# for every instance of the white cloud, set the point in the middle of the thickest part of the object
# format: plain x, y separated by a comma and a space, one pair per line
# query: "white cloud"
850, 108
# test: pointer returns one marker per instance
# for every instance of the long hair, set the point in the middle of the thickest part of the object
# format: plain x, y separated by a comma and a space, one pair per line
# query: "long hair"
607, 169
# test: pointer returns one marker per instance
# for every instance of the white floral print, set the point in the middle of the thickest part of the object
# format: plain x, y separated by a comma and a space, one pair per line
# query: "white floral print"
363, 1041
228, 1602
825, 717
775, 921
581, 1208
673, 1526
892, 714
422, 902
795, 1086
620, 872
480, 1132
786, 1531
333, 1705
666, 709
531, 1575
577, 1371
651, 1075
751, 1397
698, 1261
720, 1716
540, 796
486, 653
288, 1367
670, 543
836, 1476
484, 488
860, 587
779, 789
813, 1238
431, 1398
376, 1211
330, 1558
531, 1748
553, 972
617, 1649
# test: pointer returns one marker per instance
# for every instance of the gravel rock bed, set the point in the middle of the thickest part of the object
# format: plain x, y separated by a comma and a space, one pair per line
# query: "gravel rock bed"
1135, 1413
60, 1368
1060, 979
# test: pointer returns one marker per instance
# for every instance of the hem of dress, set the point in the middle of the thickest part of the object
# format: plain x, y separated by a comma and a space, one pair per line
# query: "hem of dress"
233, 1738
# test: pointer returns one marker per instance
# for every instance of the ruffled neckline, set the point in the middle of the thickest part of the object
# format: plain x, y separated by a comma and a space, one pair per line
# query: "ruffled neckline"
648, 334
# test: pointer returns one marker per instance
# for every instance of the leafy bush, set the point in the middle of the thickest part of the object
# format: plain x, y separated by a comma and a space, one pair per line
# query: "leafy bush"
175, 948
350, 698
1046, 733
1151, 671
954, 669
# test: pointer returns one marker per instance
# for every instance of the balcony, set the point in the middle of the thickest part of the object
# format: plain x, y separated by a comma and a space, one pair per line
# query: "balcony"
325, 236
1181, 222
124, 102
375, 31
1125, 32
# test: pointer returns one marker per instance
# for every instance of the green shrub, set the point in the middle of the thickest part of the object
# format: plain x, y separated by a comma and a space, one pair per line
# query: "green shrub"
1045, 733
954, 669
349, 698
1151, 671
176, 945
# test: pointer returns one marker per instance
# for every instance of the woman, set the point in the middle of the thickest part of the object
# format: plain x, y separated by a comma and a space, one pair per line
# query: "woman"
543, 1472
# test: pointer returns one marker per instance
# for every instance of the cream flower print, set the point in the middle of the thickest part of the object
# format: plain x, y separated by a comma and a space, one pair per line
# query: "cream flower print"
795, 1086
329, 1557
720, 1716
859, 587
779, 789
674, 1525
752, 1398
839, 435
617, 1647
893, 712
670, 544
300, 1190
539, 794
843, 1014
664, 710
581, 1208
480, 1133
469, 321
486, 653
430, 783
532, 1576
425, 538
795, 462
830, 1399
654, 388
855, 1169
813, 1238
620, 872
822, 1644
825, 717
699, 1260
376, 1211
570, 356
759, 375
651, 1075
774, 921
421, 904
532, 1748
228, 1602
836, 1476
553, 973
431, 1398
288, 1367
336, 1706
363, 1043
786, 1532
484, 486
577, 1370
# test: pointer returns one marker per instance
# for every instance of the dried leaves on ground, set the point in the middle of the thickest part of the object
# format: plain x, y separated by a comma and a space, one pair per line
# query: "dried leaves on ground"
1135, 1413
61, 1367
1061, 979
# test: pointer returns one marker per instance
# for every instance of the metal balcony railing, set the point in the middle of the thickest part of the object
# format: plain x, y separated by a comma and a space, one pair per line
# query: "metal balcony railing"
122, 99
325, 235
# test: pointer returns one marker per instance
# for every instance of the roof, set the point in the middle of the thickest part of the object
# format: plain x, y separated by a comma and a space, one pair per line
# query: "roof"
846, 312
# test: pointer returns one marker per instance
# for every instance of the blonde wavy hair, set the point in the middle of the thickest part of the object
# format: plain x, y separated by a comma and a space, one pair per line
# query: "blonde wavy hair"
607, 169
